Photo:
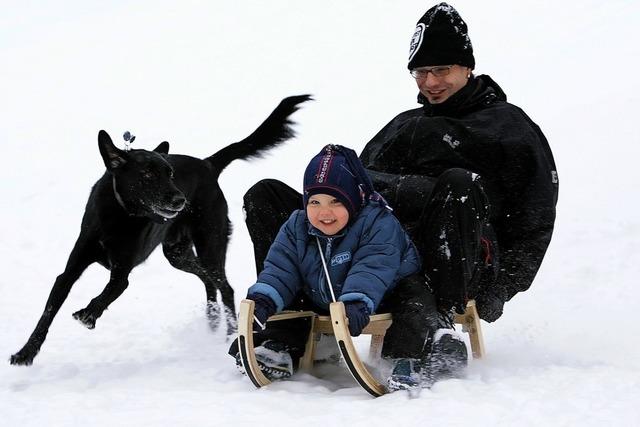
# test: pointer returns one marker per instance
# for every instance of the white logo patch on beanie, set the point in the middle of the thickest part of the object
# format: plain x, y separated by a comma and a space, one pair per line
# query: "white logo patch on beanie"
416, 40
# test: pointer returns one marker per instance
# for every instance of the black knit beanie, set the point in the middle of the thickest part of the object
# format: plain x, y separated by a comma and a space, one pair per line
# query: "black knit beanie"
441, 38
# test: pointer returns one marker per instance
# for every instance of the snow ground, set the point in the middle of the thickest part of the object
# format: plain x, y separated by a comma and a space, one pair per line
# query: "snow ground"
201, 75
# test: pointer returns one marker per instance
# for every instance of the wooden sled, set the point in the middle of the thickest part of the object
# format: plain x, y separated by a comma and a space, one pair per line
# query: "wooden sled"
336, 324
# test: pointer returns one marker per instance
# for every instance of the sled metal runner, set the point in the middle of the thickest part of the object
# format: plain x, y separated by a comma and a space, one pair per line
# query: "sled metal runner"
337, 324
345, 344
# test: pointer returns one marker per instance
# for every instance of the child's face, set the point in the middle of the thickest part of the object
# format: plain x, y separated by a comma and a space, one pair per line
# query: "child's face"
327, 214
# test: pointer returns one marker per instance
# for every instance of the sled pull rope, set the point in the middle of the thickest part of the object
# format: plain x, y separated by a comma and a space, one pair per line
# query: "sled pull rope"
326, 271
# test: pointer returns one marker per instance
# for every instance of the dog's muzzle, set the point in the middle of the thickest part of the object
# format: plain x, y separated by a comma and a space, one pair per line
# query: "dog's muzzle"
171, 209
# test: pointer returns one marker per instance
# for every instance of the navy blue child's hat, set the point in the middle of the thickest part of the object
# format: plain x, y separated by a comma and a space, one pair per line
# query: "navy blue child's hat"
337, 171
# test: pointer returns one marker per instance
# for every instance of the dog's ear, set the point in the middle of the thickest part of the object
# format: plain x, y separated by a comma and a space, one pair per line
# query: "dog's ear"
163, 148
112, 156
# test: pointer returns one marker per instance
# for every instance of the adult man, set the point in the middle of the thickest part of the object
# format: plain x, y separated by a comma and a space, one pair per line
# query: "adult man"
469, 175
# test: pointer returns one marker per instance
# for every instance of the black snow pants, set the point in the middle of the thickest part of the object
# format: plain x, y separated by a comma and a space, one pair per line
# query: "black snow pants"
455, 239
448, 218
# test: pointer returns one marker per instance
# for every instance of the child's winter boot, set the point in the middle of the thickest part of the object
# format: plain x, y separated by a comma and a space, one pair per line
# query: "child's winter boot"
406, 375
273, 359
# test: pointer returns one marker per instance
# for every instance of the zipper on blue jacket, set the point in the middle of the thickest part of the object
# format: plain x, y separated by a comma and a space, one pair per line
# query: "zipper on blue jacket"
323, 284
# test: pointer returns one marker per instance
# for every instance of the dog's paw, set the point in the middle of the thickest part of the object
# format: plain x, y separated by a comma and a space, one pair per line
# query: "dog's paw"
213, 315
232, 326
86, 318
22, 358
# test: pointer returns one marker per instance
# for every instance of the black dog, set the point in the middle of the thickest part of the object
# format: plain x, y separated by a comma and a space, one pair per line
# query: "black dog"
150, 197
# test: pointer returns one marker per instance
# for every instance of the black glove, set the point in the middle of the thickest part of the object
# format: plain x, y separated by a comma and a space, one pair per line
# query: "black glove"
358, 315
264, 308
489, 306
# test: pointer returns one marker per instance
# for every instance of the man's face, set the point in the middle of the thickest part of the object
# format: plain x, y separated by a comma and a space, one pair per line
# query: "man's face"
438, 89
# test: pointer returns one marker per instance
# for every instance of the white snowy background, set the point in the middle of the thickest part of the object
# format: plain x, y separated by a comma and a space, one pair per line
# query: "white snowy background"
204, 74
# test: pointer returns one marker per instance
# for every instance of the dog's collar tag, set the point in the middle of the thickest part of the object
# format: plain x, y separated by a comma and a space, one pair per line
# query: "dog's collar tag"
128, 140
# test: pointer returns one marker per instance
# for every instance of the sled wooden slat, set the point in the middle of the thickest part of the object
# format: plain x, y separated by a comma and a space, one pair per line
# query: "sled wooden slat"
286, 315
306, 361
378, 324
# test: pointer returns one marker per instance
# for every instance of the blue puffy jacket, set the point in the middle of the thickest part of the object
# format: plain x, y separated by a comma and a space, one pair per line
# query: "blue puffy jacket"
365, 260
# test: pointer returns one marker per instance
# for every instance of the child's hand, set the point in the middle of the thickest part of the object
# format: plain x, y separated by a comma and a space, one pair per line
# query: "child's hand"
358, 315
264, 308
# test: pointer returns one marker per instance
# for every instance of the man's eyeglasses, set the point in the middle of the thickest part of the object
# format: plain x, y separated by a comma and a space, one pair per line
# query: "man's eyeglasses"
438, 71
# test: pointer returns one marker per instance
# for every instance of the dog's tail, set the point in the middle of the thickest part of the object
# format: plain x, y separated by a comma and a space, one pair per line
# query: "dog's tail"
276, 129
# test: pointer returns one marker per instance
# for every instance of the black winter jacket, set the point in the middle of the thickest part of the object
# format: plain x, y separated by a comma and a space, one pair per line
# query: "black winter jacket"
476, 129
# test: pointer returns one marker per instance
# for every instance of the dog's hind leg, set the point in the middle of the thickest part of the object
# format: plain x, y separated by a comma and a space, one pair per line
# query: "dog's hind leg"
181, 256
83, 254
211, 246
227, 294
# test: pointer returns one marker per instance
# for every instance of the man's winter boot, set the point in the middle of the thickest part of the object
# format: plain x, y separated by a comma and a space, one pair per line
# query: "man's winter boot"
447, 359
406, 375
273, 359
448, 355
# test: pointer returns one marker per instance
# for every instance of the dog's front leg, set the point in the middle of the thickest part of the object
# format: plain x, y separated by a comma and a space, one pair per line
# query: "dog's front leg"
83, 254
117, 284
